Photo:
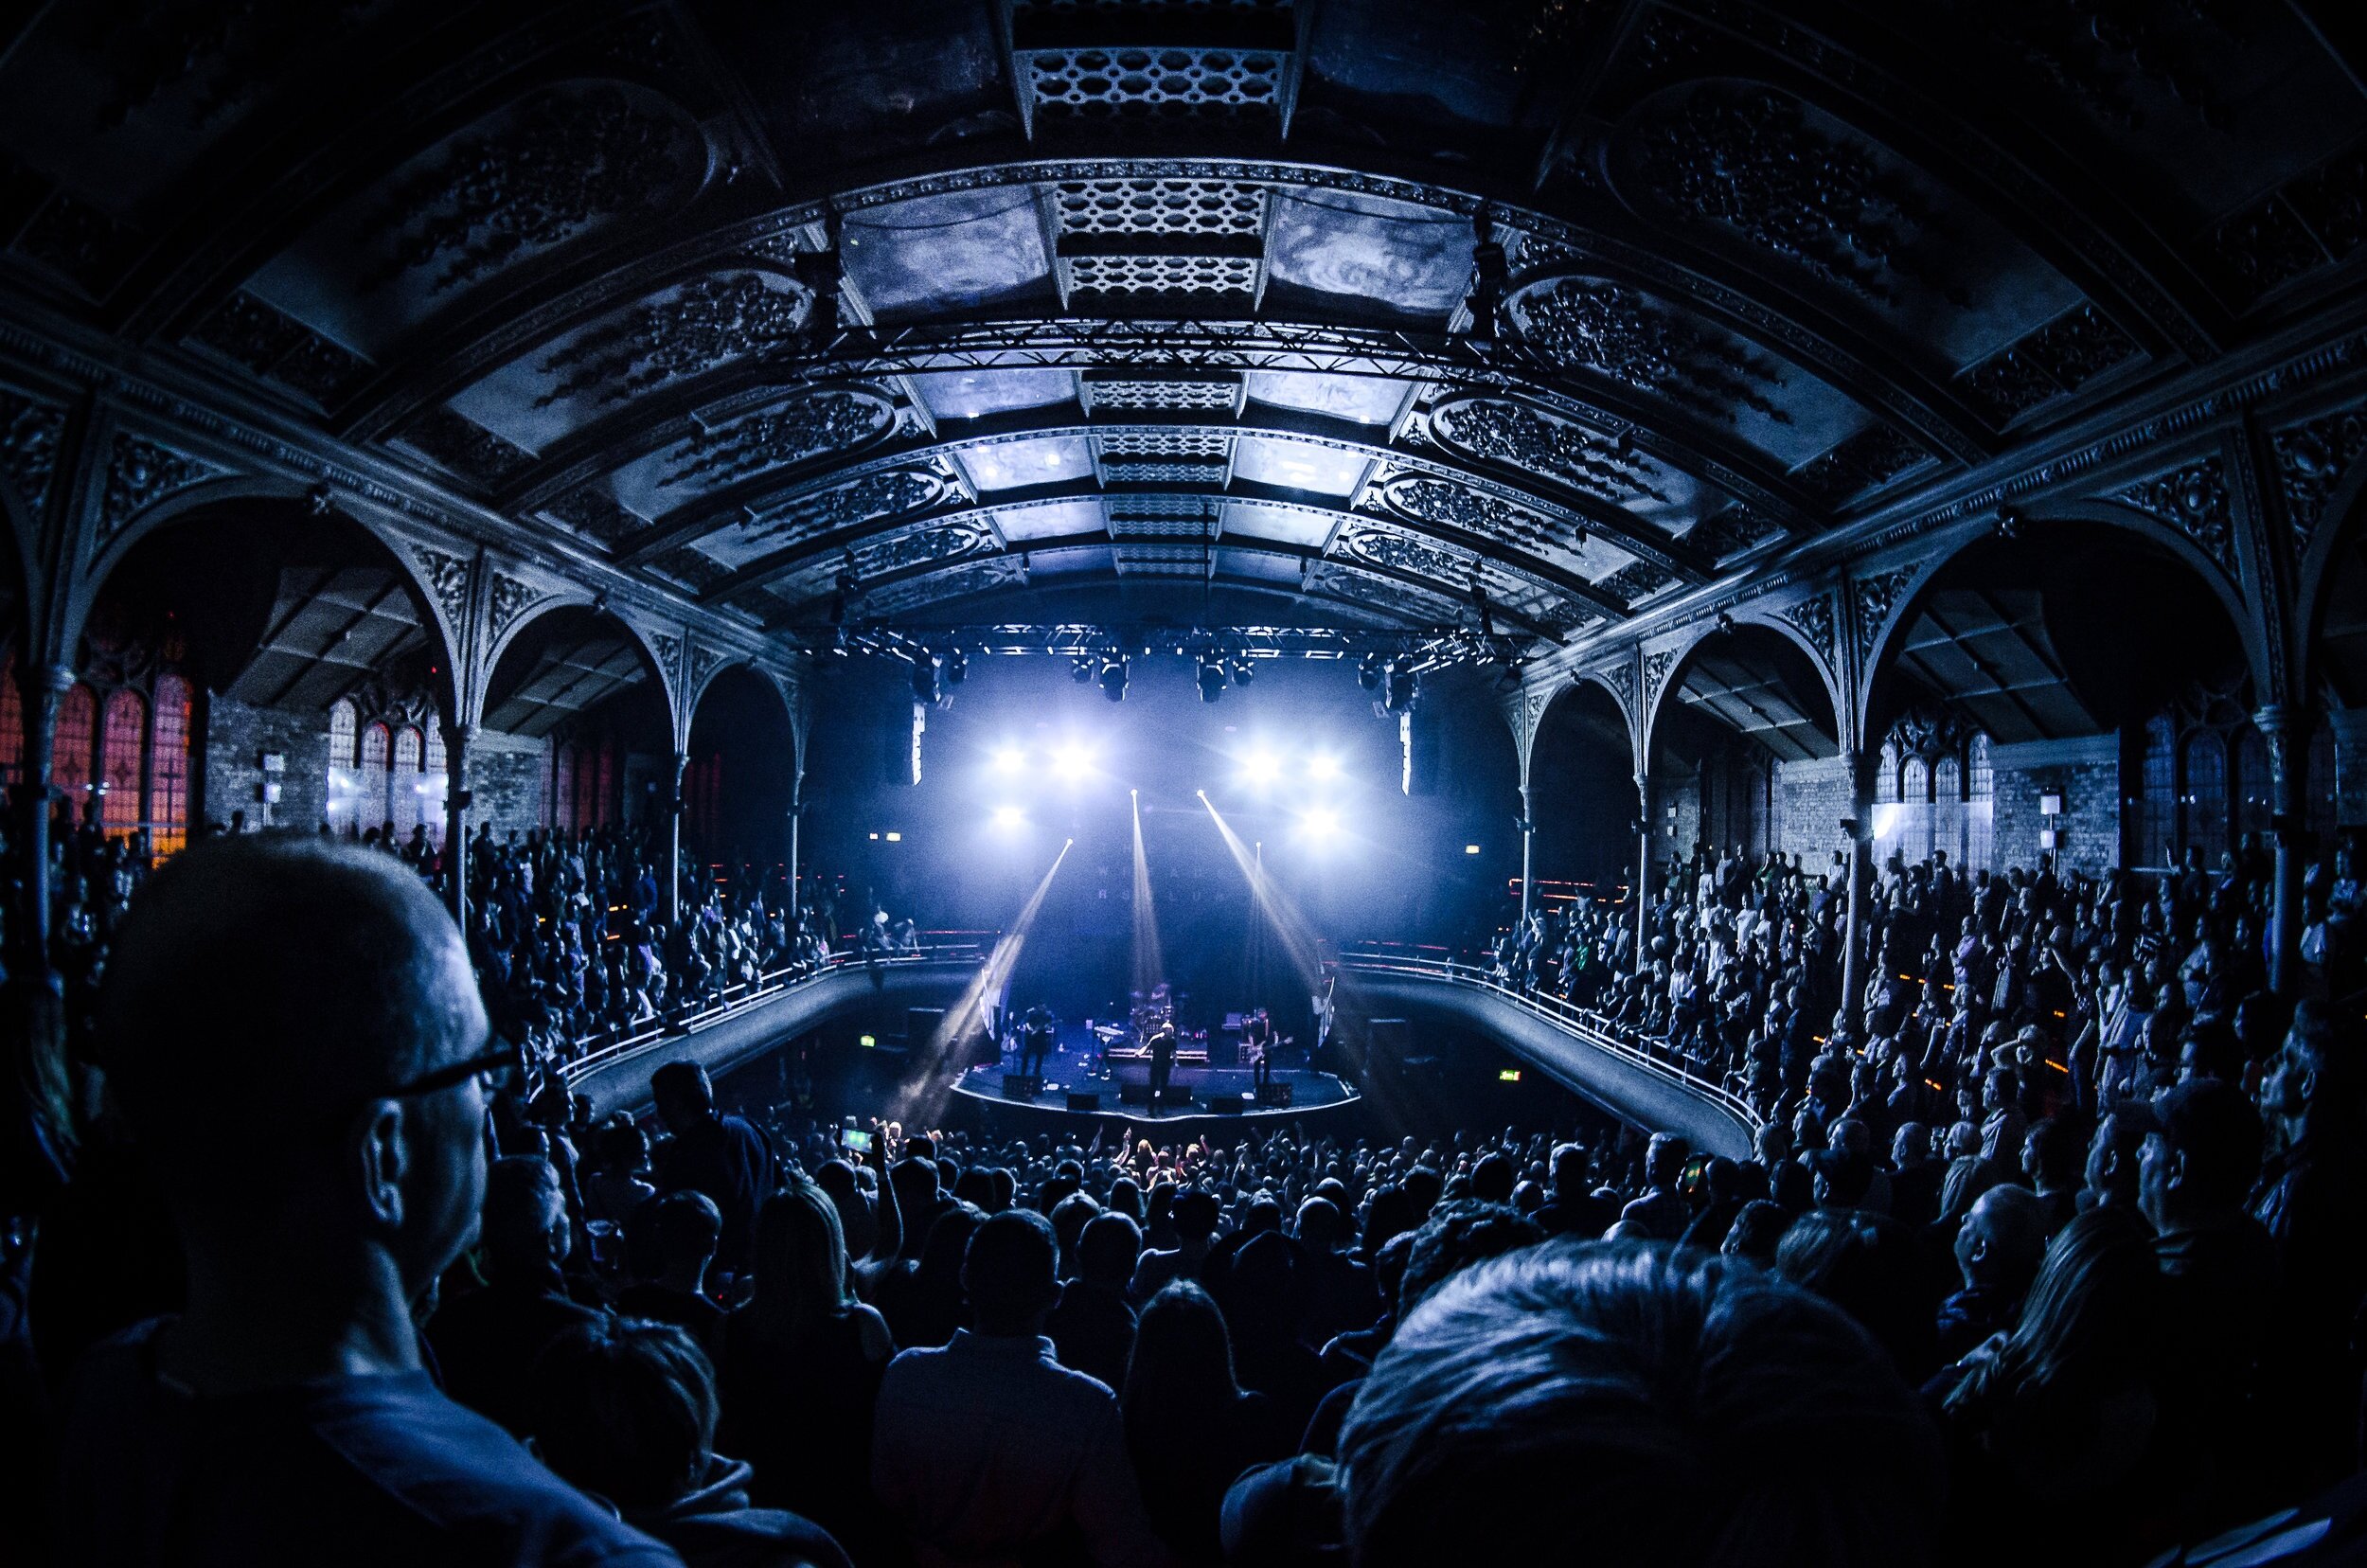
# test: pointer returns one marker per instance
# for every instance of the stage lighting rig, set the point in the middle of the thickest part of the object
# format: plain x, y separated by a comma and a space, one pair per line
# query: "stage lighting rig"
1009, 818
1260, 768
1081, 669
1211, 677
956, 668
927, 688
1113, 678
1244, 672
1368, 672
1403, 687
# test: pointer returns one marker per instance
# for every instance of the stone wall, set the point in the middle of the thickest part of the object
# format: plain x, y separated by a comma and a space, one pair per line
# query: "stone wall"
506, 777
231, 775
2087, 774
1811, 798
2349, 726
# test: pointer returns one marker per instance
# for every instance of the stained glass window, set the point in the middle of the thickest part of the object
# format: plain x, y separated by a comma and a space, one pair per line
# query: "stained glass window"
169, 768
2204, 762
70, 758
370, 802
124, 759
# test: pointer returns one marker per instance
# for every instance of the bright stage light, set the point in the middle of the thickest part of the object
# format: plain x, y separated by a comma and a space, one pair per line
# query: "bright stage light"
1471, 849
1008, 760
1322, 767
1259, 769
1009, 818
1072, 763
1321, 824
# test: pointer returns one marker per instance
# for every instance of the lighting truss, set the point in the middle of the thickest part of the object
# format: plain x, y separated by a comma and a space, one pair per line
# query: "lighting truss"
1427, 649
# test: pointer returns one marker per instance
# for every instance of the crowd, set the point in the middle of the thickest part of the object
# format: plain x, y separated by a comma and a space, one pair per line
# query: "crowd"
2081, 1293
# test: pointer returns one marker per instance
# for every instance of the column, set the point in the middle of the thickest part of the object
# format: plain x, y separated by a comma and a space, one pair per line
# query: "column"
1858, 825
1528, 843
1643, 863
456, 803
42, 688
2285, 728
796, 825
673, 843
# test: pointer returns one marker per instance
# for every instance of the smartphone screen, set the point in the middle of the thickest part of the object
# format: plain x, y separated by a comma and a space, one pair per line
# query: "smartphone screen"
855, 1139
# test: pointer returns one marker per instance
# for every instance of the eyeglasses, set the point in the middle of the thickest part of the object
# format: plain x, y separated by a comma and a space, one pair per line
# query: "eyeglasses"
495, 1070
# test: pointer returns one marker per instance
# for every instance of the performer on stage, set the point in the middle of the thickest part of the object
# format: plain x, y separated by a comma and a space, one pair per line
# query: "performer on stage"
1162, 1062
1036, 1032
1257, 1037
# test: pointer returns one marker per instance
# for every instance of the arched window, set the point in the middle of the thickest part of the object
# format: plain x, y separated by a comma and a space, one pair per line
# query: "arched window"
604, 789
2249, 784
563, 767
2157, 804
345, 779
1914, 782
403, 803
123, 757
1980, 779
436, 780
1947, 783
1980, 805
2203, 763
169, 768
70, 754
370, 796
1886, 777
11, 724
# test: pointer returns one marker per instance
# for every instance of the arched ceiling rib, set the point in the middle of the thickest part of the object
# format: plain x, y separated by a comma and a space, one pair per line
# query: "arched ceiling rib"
751, 297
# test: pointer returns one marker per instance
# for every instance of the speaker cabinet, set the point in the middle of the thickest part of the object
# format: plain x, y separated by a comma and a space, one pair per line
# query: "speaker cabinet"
1274, 1093
1021, 1086
1084, 1102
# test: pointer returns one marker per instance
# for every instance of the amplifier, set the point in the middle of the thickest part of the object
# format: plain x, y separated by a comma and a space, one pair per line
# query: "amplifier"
1021, 1086
1084, 1102
1225, 1105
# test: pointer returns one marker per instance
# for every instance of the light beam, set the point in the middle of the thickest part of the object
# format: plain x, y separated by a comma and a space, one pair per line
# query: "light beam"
925, 1094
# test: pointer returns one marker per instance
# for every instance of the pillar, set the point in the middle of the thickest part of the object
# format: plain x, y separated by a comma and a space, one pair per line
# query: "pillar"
2285, 728
673, 842
42, 688
1859, 826
1643, 863
32, 1005
456, 803
796, 825
1528, 843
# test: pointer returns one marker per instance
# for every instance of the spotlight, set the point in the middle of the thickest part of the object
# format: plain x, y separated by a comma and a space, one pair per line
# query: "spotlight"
1008, 760
1322, 767
1211, 677
1368, 672
1113, 680
926, 686
1320, 824
1081, 669
1009, 818
1072, 762
1259, 769
1404, 687
1243, 671
956, 668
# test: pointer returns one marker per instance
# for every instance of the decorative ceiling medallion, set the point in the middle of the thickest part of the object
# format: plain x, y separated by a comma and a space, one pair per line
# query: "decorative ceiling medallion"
1493, 430
1585, 323
875, 495
835, 420
1420, 498
1746, 160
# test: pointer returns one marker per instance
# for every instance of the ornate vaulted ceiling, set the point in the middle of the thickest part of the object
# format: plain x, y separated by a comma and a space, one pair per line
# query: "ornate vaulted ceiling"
1350, 311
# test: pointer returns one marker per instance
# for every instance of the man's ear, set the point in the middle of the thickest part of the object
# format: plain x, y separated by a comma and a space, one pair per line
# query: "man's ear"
385, 1155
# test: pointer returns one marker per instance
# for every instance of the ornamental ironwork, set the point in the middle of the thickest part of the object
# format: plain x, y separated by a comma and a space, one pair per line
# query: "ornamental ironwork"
1494, 430
826, 421
1584, 323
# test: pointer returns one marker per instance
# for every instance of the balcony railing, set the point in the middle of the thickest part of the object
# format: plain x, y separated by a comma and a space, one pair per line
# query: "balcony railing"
1590, 1027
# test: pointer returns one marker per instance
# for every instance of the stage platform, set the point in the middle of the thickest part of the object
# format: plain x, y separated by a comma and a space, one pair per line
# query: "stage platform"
1122, 1093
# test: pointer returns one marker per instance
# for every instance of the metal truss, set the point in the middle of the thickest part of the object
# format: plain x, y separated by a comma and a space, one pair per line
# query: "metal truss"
1423, 649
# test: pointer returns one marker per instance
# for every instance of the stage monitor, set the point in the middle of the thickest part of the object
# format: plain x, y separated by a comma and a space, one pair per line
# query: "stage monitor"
1084, 1102
1018, 1086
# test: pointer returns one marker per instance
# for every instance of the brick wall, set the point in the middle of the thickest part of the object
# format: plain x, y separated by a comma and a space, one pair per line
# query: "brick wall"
238, 736
1811, 798
506, 774
2086, 773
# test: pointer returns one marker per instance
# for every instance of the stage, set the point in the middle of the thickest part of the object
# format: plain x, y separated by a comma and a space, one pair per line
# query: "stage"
1119, 1090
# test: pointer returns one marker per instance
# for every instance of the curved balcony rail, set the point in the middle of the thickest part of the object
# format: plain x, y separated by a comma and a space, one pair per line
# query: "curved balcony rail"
1590, 1029
734, 1001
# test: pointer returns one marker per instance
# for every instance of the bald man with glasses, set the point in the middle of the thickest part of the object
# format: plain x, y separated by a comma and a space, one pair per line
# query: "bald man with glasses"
293, 1030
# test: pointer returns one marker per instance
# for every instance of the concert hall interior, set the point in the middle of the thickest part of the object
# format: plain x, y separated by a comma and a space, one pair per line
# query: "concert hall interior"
1005, 783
